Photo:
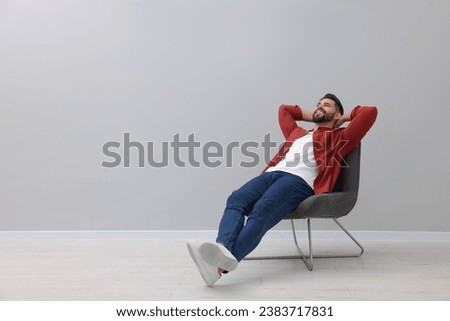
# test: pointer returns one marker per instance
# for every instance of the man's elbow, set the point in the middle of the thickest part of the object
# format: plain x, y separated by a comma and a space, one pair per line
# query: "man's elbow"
373, 112
368, 112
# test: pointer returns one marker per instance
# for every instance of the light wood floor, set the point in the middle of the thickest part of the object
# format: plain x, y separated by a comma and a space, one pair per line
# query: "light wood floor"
162, 270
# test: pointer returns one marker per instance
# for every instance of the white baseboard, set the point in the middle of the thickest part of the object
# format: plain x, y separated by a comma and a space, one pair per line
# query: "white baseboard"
211, 235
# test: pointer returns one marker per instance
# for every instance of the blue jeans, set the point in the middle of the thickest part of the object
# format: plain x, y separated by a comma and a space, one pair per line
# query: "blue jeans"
265, 200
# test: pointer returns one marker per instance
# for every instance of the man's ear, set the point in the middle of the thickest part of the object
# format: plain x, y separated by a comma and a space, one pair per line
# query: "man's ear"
337, 116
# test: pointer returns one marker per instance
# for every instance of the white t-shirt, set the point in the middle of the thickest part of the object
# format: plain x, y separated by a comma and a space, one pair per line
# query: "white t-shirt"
299, 160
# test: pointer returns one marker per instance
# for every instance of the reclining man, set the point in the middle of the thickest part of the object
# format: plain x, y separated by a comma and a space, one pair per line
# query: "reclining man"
308, 163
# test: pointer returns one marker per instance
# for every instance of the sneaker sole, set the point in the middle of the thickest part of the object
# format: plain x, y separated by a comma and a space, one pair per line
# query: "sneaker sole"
214, 254
196, 257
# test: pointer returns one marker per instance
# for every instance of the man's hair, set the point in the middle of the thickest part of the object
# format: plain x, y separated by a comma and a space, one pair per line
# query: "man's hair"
336, 100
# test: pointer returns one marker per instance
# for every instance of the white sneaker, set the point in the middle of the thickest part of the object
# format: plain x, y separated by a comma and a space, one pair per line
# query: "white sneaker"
208, 271
218, 255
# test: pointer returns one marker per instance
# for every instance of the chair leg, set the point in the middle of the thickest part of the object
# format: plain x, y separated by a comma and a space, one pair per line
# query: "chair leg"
352, 238
308, 259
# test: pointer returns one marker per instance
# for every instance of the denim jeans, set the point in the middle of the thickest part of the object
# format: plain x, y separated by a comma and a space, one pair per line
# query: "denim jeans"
265, 201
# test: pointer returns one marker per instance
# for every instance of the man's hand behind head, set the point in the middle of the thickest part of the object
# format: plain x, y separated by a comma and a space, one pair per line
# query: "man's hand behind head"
344, 118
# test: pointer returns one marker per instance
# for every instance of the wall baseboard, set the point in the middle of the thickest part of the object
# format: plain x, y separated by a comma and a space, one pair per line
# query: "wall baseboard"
211, 235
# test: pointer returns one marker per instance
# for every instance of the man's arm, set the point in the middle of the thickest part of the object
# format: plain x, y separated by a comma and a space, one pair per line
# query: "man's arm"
344, 118
361, 119
307, 115
288, 115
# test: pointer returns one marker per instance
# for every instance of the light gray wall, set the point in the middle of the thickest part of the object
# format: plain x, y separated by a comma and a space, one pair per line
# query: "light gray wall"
77, 74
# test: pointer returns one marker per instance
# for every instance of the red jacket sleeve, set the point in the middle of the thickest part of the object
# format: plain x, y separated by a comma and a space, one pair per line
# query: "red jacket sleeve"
287, 117
362, 119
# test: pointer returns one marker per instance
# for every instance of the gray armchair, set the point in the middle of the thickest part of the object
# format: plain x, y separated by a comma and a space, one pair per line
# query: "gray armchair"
332, 205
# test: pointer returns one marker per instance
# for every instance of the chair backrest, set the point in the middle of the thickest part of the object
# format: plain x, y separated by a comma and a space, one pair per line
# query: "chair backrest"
348, 179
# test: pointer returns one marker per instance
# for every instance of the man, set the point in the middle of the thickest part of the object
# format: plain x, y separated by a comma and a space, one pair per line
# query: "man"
308, 163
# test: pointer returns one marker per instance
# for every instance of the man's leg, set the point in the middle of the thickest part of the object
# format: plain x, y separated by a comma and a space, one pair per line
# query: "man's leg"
281, 198
212, 259
239, 204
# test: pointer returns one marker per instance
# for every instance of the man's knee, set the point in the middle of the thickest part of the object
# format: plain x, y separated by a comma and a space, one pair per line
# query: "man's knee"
235, 200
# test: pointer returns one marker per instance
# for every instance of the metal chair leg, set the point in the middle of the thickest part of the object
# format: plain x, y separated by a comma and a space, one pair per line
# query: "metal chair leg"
308, 259
352, 238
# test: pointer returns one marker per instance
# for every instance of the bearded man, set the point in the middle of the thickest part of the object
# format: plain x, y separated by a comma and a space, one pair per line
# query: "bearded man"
308, 163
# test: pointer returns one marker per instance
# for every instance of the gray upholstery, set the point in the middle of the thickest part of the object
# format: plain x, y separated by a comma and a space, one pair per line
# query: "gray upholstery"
341, 200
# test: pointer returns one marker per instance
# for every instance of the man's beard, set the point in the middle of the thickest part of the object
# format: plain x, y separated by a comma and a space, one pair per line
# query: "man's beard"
322, 118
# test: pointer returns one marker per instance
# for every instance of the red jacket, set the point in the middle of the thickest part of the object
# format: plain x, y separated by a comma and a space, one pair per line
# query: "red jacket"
330, 145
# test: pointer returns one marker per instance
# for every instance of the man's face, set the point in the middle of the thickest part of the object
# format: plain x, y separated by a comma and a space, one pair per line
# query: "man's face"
326, 110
